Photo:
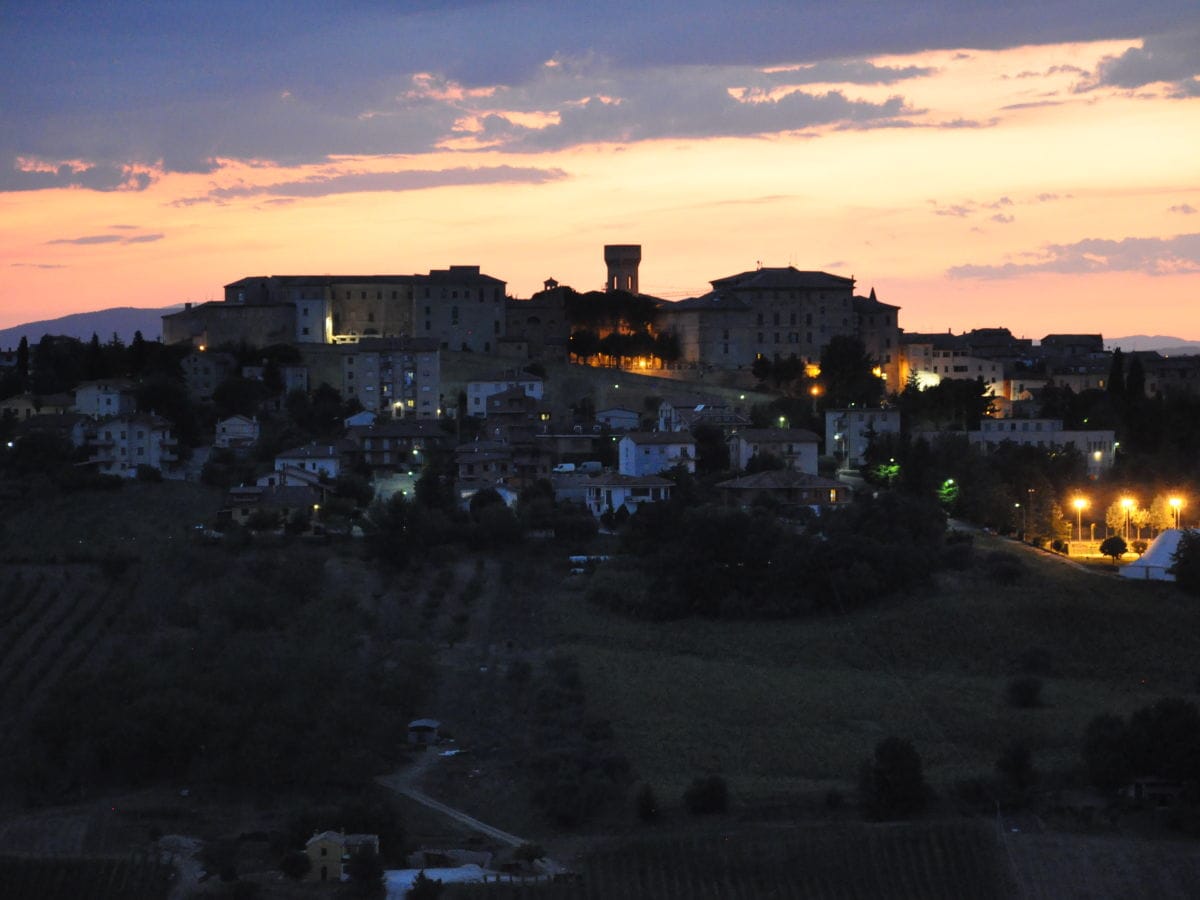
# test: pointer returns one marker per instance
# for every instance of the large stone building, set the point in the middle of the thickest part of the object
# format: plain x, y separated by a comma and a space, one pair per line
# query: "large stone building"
772, 312
459, 308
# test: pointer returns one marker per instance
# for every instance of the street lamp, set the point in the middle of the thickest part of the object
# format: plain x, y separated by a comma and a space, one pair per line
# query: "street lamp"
1175, 503
1127, 505
1080, 505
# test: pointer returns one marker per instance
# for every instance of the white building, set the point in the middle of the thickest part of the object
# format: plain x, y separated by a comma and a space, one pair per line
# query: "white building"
120, 444
848, 432
795, 447
393, 377
480, 389
1097, 446
651, 452
110, 397
322, 459
237, 432
612, 491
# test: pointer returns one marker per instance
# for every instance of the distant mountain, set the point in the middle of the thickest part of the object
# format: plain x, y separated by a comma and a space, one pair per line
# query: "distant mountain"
1167, 346
121, 320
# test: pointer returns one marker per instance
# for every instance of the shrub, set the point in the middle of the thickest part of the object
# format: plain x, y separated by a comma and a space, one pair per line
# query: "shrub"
892, 783
957, 556
1114, 546
149, 473
707, 796
1024, 692
1139, 547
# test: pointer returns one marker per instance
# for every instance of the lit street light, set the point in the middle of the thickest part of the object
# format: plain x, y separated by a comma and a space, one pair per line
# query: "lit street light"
1127, 505
1080, 505
1175, 503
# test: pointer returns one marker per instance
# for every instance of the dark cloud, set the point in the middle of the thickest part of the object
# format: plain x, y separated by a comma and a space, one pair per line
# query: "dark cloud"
36, 266
1150, 256
370, 182
108, 239
89, 239
1002, 219
1184, 208
1173, 58
108, 96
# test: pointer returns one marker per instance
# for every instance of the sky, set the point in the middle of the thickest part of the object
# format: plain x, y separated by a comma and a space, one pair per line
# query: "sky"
1033, 164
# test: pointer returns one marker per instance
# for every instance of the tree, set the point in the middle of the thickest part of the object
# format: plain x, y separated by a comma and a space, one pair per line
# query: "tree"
23, 360
1119, 514
424, 888
1115, 547
1015, 765
892, 783
1185, 562
1116, 374
1135, 382
846, 372
1160, 515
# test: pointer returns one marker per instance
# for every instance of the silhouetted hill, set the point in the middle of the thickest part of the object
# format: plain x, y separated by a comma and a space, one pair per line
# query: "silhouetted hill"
122, 320
1164, 344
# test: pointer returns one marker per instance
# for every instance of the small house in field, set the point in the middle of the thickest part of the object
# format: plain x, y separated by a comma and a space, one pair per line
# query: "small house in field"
423, 732
330, 852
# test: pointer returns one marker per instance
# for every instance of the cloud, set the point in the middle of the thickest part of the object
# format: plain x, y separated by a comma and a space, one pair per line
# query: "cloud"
1179, 255
36, 266
364, 182
1002, 219
108, 239
113, 96
958, 211
1172, 58
1183, 208
970, 207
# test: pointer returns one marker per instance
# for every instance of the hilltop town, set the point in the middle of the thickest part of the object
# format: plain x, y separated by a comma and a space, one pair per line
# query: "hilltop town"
359, 574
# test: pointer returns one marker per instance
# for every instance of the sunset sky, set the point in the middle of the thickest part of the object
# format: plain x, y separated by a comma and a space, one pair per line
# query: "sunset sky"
1032, 164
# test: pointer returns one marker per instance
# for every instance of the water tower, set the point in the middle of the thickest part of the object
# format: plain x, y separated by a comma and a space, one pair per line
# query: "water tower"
622, 261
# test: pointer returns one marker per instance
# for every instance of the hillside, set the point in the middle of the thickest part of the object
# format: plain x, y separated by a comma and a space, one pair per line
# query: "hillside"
120, 320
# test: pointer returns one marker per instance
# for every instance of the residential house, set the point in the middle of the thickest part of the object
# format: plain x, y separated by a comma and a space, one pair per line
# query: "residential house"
482, 463
283, 501
786, 487
618, 418
611, 491
394, 377
848, 432
237, 433
108, 397
26, 406
321, 458
480, 389
796, 448
391, 446
686, 413
204, 370
651, 452
119, 445
330, 852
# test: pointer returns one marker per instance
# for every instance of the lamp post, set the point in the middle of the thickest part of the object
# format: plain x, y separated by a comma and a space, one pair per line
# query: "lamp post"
1175, 503
1080, 505
1127, 505
1022, 509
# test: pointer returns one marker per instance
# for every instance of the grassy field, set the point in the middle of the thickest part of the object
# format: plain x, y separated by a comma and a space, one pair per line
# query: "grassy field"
921, 862
791, 708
